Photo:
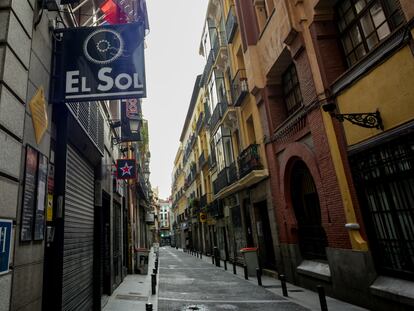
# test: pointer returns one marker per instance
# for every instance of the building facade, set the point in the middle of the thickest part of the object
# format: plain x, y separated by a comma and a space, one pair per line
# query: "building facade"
74, 225
309, 137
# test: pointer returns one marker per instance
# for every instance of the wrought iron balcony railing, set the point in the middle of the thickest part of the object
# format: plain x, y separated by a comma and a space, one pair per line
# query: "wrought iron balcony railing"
200, 122
239, 87
202, 160
219, 42
207, 113
216, 116
203, 201
249, 160
212, 160
231, 24
232, 173
207, 68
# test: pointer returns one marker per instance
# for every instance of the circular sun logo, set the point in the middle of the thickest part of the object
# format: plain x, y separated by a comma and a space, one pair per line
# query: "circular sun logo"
103, 46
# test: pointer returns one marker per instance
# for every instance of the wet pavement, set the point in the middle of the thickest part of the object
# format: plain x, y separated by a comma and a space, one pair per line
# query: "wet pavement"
189, 283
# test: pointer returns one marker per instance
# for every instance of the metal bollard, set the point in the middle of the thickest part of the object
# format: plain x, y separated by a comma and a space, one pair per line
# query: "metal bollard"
259, 276
217, 259
246, 274
148, 307
153, 283
234, 267
282, 279
322, 298
225, 264
212, 259
154, 271
201, 255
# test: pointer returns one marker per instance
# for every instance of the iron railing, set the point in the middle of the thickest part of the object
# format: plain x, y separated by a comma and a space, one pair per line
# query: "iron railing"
249, 160
207, 68
203, 201
200, 122
231, 24
219, 42
212, 160
202, 160
221, 181
216, 117
232, 173
239, 87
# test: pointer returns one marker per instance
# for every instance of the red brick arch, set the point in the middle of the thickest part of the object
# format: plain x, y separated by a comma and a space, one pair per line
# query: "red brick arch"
293, 153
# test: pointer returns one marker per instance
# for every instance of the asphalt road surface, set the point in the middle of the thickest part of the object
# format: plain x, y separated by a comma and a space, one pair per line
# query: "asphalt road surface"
188, 283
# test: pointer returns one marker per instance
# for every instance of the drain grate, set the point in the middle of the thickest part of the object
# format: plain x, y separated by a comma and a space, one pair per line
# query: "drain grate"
131, 297
295, 290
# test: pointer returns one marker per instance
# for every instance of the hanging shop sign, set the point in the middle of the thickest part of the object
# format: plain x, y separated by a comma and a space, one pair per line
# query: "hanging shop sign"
126, 169
130, 120
99, 63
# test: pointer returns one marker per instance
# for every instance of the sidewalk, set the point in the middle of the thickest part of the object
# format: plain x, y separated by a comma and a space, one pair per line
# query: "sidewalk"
134, 292
299, 295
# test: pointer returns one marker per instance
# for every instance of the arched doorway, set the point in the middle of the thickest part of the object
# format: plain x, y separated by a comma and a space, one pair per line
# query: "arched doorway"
305, 201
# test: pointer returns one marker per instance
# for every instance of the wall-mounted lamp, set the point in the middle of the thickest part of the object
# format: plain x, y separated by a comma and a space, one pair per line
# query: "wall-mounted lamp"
367, 120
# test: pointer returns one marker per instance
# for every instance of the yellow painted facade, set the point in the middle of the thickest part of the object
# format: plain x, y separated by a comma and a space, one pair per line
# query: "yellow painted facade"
389, 90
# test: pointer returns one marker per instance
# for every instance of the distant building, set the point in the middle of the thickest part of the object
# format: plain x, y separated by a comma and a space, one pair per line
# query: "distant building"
164, 221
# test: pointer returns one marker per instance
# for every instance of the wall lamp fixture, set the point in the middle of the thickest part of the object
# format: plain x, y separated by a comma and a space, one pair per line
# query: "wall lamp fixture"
367, 120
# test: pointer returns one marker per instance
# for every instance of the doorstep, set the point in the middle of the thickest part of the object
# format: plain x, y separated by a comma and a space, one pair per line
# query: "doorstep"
394, 289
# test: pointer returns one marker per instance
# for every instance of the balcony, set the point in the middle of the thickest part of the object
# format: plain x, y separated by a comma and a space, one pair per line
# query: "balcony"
202, 160
207, 113
216, 117
203, 201
232, 173
249, 160
212, 160
200, 122
239, 87
218, 43
207, 68
231, 24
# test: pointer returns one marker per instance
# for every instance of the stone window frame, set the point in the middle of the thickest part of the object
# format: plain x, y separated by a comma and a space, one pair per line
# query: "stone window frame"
362, 29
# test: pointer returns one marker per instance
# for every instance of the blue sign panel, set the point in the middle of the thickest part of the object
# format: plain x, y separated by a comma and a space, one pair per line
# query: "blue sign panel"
5, 242
98, 63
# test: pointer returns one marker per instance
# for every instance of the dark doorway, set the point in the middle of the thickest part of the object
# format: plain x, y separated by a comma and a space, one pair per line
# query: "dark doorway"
305, 200
106, 242
117, 240
248, 223
264, 236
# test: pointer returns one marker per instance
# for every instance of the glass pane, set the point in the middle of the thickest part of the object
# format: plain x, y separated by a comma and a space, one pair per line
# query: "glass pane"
345, 5
355, 36
383, 31
351, 59
349, 16
360, 51
360, 5
341, 24
377, 14
366, 24
347, 43
372, 41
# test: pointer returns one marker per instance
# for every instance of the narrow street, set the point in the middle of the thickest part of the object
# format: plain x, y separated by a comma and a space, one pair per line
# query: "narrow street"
190, 283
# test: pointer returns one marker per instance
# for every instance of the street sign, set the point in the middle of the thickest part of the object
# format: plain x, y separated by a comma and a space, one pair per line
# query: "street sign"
98, 63
5, 244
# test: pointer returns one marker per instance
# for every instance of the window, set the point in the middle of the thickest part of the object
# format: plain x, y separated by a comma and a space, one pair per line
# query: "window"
364, 23
223, 147
291, 89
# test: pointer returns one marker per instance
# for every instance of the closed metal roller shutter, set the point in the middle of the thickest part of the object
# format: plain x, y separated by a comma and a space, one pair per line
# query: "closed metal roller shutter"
77, 291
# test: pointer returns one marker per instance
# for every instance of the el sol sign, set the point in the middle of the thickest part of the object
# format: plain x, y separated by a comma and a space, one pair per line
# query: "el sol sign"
97, 63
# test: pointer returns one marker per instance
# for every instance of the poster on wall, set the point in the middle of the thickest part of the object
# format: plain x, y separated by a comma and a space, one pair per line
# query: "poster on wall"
29, 197
5, 243
39, 225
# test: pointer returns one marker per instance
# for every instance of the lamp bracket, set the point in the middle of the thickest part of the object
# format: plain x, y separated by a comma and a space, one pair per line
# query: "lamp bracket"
367, 120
